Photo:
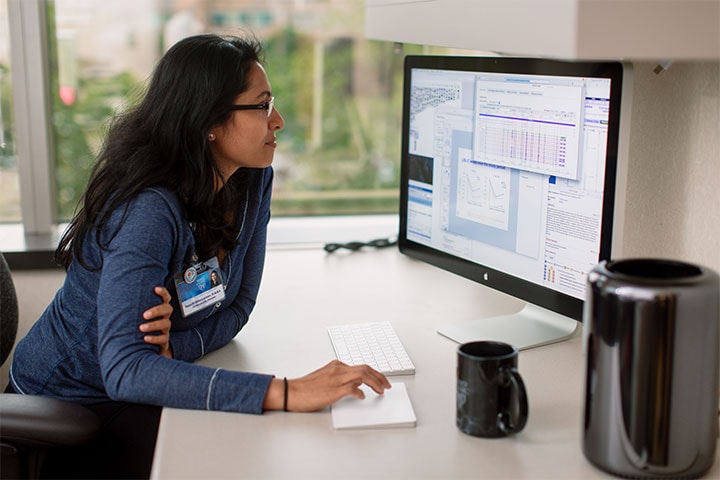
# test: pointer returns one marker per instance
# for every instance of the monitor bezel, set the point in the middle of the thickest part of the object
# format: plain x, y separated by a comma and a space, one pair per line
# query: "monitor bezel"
525, 290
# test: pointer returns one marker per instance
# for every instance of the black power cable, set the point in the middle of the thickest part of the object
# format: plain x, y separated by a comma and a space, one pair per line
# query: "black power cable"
354, 246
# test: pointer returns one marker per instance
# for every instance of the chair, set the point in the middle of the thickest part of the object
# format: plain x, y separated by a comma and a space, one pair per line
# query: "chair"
31, 424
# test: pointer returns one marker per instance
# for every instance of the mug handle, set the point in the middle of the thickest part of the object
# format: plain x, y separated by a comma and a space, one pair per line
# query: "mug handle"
504, 420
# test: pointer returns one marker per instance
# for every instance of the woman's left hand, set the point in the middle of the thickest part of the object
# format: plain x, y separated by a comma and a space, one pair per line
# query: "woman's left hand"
158, 326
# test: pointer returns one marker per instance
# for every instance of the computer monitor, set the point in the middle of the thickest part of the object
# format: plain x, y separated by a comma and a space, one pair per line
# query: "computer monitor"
508, 177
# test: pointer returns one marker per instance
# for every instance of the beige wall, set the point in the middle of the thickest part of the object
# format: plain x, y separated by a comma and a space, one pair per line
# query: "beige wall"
673, 185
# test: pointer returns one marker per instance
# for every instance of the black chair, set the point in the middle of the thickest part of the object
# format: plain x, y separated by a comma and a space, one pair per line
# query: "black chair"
31, 424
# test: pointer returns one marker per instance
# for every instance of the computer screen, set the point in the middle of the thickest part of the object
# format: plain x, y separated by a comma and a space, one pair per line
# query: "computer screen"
508, 176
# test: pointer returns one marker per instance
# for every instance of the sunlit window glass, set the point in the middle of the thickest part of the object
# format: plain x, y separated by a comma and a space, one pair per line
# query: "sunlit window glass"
9, 180
339, 93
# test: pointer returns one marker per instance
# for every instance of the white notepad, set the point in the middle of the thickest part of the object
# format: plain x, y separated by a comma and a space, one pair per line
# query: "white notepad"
391, 409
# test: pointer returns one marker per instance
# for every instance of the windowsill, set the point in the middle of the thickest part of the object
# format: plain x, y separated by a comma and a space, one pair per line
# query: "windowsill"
35, 251
28, 251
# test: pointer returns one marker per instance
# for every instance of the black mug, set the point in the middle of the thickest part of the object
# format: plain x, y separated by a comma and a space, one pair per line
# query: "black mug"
491, 397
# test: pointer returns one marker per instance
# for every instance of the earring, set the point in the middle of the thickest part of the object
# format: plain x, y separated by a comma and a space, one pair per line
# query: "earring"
211, 137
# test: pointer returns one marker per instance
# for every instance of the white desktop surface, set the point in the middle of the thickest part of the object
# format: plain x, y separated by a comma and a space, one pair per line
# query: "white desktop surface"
305, 291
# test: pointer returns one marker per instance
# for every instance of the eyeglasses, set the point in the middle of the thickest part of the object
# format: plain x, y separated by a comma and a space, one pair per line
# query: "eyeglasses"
268, 106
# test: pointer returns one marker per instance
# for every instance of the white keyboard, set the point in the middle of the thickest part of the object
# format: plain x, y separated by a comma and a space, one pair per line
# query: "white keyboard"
375, 344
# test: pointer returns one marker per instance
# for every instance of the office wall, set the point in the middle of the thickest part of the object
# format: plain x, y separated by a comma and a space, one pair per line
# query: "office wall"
673, 184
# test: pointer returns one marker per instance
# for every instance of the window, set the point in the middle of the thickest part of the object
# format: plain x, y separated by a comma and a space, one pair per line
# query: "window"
339, 93
9, 179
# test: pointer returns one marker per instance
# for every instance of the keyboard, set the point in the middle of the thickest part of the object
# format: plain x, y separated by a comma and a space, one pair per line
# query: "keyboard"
375, 344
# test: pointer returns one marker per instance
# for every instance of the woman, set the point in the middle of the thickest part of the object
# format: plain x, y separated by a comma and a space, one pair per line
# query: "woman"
181, 186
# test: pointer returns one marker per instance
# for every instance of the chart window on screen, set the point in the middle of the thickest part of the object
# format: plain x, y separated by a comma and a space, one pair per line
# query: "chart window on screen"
508, 173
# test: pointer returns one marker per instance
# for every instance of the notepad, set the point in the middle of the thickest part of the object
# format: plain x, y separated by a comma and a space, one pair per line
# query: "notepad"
390, 410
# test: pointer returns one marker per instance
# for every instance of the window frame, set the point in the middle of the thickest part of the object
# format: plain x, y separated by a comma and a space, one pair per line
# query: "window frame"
31, 100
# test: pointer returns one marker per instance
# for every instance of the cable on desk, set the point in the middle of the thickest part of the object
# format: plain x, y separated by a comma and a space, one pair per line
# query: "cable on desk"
285, 394
354, 246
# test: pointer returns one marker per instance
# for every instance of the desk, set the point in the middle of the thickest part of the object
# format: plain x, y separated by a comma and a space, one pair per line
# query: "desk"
303, 292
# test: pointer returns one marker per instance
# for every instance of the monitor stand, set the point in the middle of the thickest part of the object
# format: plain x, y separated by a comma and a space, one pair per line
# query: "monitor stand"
532, 326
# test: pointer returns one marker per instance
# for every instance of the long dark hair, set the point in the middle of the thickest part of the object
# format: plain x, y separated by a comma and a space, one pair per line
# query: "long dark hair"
163, 141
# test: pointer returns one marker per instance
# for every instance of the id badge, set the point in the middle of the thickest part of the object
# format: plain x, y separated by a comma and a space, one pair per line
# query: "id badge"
199, 286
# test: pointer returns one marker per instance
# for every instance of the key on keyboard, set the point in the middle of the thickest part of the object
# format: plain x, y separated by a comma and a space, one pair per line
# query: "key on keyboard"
375, 344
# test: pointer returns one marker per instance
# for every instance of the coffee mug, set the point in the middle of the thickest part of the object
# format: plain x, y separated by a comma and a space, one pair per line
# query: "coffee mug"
491, 397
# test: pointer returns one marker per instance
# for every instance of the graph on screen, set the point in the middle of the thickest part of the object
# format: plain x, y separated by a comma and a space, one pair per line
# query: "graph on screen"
529, 126
483, 193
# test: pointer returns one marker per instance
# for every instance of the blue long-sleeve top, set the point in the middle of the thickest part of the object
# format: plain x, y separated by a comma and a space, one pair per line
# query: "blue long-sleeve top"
86, 346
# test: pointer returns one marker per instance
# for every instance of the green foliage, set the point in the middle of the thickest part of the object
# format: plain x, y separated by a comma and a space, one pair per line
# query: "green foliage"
358, 145
7, 155
288, 60
79, 132
355, 149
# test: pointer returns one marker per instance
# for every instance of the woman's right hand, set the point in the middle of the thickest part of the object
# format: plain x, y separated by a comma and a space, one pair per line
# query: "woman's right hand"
324, 387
